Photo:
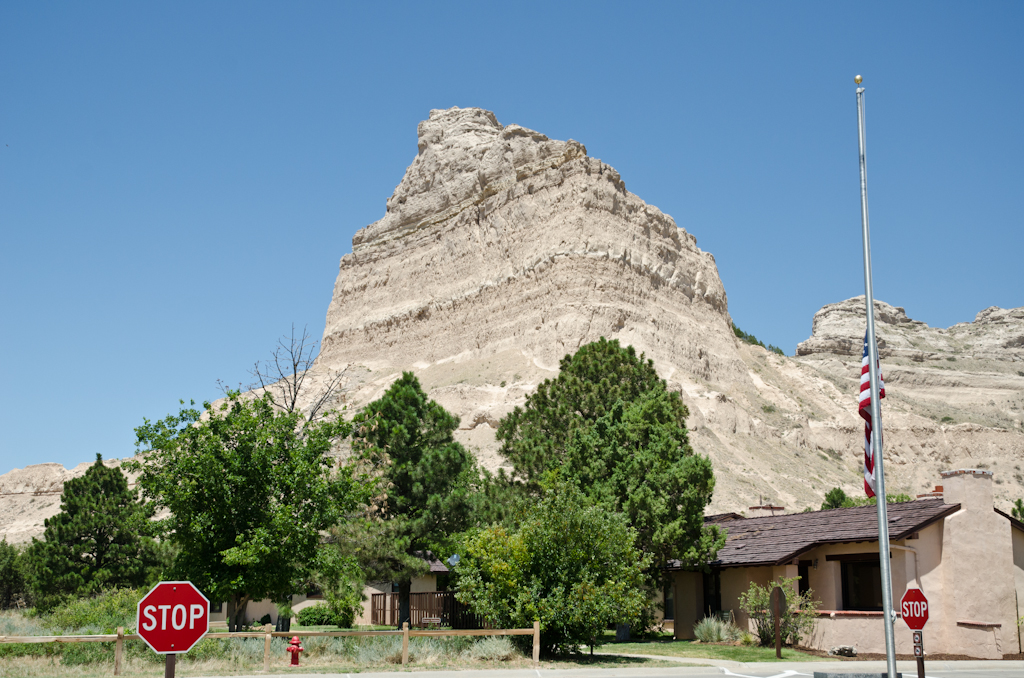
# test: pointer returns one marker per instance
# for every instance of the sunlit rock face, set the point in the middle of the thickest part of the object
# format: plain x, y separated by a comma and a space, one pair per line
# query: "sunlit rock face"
499, 238
503, 250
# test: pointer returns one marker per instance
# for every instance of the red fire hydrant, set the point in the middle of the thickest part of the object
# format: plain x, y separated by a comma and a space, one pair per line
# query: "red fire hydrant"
295, 647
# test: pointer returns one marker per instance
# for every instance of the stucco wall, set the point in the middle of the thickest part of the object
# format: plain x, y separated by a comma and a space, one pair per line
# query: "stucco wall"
1017, 538
977, 571
863, 630
735, 581
689, 603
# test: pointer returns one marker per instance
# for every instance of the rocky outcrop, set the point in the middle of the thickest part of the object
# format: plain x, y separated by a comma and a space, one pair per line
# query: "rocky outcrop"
499, 238
838, 329
503, 250
30, 495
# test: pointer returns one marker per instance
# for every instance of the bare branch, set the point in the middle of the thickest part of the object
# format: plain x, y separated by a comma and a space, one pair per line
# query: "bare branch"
285, 374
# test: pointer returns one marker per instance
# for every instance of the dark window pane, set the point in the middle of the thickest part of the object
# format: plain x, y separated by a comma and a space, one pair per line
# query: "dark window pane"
862, 586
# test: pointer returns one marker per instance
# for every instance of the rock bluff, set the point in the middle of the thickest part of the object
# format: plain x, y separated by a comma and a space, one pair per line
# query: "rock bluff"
499, 238
502, 250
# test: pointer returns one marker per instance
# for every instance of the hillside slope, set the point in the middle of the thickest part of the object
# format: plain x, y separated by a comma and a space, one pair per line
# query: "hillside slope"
502, 250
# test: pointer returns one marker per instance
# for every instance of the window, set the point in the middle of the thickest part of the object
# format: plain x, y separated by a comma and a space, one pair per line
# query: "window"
862, 584
804, 570
670, 603
713, 591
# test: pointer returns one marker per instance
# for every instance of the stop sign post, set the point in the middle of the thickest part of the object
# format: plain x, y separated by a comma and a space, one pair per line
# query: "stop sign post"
172, 618
914, 610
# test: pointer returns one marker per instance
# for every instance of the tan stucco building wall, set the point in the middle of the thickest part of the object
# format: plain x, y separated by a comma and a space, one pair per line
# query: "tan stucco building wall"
970, 565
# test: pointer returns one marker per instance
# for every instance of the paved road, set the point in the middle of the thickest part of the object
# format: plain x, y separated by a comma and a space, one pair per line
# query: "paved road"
937, 669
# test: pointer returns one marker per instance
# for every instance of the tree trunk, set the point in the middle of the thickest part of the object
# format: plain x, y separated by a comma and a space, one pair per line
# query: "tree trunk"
236, 612
404, 613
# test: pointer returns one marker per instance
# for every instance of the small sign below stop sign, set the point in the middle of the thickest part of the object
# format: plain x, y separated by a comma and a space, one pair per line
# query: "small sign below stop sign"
173, 617
914, 609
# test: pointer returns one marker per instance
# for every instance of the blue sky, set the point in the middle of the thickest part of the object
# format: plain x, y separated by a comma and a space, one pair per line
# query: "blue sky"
179, 180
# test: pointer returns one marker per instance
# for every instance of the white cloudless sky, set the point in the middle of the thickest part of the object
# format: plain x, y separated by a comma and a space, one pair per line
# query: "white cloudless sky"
179, 180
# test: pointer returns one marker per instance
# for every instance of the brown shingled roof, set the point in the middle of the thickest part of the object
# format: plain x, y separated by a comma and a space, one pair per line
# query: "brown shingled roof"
775, 540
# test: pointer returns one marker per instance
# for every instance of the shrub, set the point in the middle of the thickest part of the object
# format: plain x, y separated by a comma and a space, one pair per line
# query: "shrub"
317, 615
715, 630
797, 619
102, 613
492, 648
570, 565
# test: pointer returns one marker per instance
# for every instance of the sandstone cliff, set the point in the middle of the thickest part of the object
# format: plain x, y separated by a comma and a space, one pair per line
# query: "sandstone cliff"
502, 250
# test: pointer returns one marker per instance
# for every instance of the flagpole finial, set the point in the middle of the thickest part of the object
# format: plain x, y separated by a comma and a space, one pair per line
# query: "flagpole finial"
858, 79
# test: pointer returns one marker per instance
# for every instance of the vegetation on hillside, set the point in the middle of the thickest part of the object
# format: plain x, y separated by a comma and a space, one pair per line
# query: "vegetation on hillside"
751, 339
837, 498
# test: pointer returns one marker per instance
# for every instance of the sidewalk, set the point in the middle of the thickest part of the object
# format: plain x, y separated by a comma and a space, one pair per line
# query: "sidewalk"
710, 668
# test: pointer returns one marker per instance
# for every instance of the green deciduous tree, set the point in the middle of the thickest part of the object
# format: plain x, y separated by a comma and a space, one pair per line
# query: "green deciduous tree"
425, 485
569, 563
249, 486
100, 539
609, 422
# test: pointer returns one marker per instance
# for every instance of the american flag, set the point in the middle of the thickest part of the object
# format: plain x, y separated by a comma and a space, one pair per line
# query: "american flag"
865, 413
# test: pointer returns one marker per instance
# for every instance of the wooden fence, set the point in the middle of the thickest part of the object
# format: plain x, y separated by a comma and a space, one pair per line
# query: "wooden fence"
268, 633
441, 605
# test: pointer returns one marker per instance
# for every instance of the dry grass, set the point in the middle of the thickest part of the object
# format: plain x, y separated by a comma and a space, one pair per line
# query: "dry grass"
322, 655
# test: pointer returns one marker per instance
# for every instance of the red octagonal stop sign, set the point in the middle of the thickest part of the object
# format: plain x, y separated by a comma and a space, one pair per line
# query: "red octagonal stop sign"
914, 609
173, 617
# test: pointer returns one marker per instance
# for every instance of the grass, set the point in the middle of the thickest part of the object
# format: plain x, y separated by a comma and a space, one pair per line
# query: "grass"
691, 650
215, 656
50, 666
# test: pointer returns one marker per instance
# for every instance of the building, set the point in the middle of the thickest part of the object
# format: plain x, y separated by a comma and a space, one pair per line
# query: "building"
384, 594
964, 555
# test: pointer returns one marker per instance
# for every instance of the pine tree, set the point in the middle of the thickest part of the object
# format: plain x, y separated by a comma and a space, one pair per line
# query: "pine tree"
609, 423
11, 581
99, 540
426, 478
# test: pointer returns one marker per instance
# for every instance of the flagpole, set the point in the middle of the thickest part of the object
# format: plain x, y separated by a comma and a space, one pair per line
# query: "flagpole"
876, 419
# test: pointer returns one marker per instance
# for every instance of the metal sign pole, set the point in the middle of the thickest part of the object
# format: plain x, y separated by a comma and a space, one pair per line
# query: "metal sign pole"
876, 419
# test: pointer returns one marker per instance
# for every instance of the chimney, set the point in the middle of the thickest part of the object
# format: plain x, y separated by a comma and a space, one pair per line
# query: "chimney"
969, 487
934, 494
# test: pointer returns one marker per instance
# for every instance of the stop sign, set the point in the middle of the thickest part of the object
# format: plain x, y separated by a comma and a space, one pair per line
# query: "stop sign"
914, 609
173, 617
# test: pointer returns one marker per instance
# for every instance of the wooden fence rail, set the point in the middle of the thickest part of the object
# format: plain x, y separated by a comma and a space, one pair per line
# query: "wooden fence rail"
267, 634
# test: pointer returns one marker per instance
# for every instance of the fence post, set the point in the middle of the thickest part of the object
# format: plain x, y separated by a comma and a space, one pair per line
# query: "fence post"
266, 648
118, 650
536, 642
405, 643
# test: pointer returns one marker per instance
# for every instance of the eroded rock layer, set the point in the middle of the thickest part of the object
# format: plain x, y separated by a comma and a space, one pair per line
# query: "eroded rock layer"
502, 250
499, 238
